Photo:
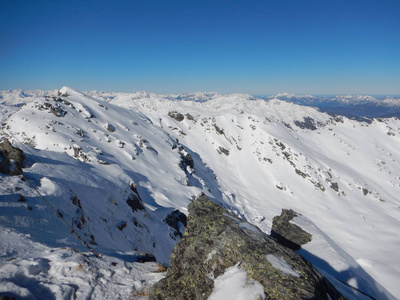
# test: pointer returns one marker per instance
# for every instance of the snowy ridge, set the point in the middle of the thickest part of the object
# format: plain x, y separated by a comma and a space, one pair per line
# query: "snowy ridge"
251, 155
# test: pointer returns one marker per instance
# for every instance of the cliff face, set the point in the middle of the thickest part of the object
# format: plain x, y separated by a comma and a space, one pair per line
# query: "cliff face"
216, 241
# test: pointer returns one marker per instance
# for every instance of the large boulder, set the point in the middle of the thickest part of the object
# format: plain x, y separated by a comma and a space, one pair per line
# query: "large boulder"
288, 234
11, 158
217, 244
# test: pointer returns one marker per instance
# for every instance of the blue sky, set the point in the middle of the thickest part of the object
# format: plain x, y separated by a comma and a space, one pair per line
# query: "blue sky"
174, 46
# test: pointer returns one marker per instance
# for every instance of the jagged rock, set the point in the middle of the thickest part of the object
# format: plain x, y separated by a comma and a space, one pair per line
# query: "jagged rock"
134, 200
186, 159
60, 94
177, 220
334, 186
79, 154
288, 234
218, 130
55, 109
176, 115
216, 240
11, 158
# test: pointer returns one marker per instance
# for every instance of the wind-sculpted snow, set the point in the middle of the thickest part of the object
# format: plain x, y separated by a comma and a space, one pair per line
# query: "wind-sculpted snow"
253, 156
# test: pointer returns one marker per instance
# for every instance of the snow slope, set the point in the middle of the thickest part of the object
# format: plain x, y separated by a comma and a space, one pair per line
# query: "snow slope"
253, 156
342, 174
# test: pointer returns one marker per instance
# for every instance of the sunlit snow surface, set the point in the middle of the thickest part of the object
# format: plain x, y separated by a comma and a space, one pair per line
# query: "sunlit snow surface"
234, 284
30, 270
253, 156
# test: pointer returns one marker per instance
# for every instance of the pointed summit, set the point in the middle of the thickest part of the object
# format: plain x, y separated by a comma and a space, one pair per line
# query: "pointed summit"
67, 91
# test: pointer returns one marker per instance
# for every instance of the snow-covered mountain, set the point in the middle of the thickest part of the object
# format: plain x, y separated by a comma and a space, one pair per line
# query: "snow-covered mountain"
118, 167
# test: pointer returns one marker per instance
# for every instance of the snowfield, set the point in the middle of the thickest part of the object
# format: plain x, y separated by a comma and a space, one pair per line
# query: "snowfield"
88, 154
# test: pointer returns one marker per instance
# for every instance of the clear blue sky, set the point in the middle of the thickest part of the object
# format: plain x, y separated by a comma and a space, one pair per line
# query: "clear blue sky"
173, 46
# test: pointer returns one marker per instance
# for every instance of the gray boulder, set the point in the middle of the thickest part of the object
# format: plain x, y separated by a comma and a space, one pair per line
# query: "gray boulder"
216, 240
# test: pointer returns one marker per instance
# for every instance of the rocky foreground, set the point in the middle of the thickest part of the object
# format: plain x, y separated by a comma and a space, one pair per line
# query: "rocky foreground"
215, 241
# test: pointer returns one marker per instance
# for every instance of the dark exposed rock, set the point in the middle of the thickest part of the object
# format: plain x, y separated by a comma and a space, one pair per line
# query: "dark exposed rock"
80, 221
215, 240
11, 158
56, 109
307, 123
223, 150
60, 94
145, 257
134, 200
135, 203
280, 144
78, 153
186, 159
302, 174
189, 117
288, 234
177, 220
21, 198
365, 191
110, 127
176, 115
218, 130
334, 186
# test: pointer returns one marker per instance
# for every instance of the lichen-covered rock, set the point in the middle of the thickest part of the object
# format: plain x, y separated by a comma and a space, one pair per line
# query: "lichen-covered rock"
216, 240
11, 158
288, 234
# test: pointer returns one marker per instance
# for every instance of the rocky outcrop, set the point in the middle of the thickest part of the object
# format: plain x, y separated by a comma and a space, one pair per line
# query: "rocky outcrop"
11, 158
215, 241
176, 115
288, 234
308, 123
134, 200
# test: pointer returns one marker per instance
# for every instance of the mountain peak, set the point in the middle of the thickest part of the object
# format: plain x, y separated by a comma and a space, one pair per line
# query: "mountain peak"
65, 90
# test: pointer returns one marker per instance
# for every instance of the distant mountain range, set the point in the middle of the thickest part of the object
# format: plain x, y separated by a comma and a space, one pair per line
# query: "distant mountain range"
352, 106
363, 106
120, 169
